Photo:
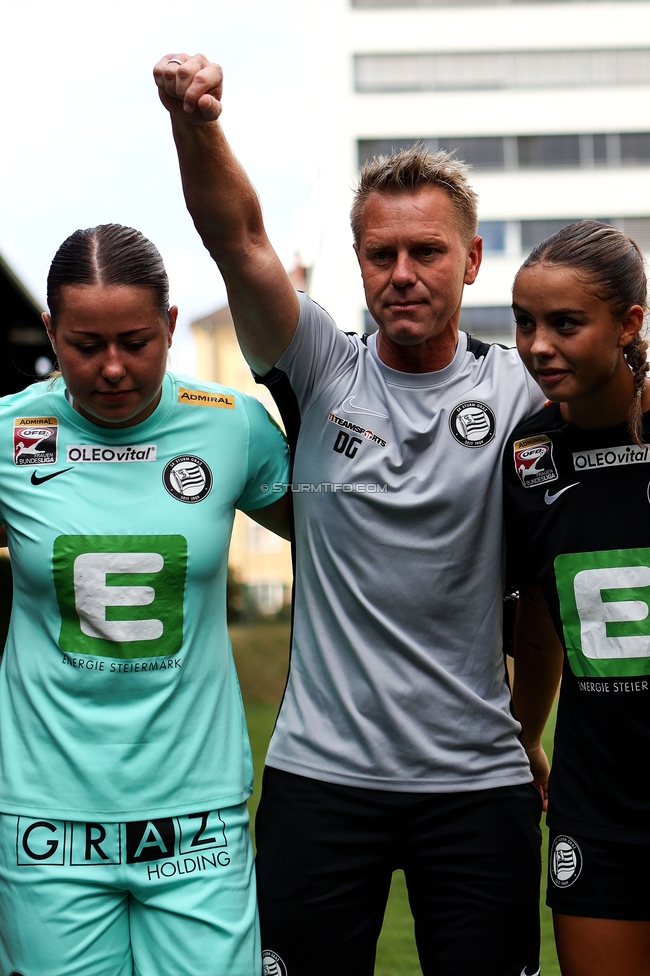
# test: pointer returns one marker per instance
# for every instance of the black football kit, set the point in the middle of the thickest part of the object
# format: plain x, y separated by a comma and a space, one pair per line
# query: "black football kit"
577, 506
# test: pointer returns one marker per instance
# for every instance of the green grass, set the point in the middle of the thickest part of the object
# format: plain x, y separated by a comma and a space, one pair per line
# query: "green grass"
261, 655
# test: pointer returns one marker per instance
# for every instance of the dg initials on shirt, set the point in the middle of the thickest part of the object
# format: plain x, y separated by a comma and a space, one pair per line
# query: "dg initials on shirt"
605, 609
120, 596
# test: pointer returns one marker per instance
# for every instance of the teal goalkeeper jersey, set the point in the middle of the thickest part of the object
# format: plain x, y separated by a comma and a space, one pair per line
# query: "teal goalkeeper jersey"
118, 692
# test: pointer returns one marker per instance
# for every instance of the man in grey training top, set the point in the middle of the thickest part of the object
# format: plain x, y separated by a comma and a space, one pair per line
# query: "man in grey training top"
395, 746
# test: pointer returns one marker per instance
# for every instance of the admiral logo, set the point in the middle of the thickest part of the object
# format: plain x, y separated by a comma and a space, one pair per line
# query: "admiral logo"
534, 461
187, 478
565, 861
35, 440
472, 423
204, 398
612, 457
368, 434
106, 453
272, 964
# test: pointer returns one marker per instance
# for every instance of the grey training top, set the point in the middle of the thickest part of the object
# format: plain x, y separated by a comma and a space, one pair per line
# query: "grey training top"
397, 674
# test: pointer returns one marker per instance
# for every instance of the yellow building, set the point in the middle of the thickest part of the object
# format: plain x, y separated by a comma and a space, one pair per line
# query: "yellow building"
259, 559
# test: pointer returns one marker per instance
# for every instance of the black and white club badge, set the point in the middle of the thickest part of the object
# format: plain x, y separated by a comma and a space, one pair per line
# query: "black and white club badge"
565, 861
472, 423
272, 965
187, 478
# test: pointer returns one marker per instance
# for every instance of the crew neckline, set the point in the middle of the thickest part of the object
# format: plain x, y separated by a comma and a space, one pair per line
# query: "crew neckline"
592, 434
397, 377
63, 407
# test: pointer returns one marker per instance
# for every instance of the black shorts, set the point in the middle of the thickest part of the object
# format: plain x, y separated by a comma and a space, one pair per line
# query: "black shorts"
326, 854
597, 878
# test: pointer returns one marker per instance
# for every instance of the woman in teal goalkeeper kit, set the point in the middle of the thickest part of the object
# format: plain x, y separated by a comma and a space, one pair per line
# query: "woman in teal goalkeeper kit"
124, 758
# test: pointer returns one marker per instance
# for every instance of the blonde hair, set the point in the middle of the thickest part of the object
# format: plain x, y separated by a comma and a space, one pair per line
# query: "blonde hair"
410, 170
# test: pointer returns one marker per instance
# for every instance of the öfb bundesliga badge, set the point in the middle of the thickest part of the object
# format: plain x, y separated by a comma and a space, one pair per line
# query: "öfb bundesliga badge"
534, 460
35, 440
187, 478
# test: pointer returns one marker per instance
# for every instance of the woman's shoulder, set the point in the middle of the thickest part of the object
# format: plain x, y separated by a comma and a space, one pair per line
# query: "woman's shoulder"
191, 391
34, 398
548, 420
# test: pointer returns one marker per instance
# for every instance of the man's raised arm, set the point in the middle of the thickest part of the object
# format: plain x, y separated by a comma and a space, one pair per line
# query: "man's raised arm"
226, 210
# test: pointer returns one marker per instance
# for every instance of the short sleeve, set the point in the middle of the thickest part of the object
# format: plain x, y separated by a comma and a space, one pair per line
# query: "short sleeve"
517, 561
317, 353
268, 460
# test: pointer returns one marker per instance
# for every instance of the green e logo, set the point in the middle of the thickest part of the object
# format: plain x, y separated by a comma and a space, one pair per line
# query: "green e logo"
605, 610
120, 595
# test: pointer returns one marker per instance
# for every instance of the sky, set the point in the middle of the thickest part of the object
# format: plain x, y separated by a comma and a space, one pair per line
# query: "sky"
86, 141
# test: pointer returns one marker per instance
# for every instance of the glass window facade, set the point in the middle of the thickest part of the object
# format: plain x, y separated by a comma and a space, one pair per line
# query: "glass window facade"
541, 152
493, 233
487, 318
528, 152
494, 70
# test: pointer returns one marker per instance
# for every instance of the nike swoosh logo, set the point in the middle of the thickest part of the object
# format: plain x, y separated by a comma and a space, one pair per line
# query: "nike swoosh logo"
362, 410
39, 481
524, 971
549, 499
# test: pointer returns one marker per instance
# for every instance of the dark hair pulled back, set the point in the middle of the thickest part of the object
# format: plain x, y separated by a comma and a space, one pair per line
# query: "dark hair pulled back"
613, 264
109, 254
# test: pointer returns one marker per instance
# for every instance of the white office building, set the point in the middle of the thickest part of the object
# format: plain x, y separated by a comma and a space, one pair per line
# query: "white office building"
549, 101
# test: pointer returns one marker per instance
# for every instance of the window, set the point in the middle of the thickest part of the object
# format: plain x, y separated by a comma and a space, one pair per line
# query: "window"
499, 70
485, 152
634, 148
528, 152
493, 233
638, 228
533, 232
479, 320
541, 152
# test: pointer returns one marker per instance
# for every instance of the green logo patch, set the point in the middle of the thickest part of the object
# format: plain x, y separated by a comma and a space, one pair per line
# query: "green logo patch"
120, 595
605, 610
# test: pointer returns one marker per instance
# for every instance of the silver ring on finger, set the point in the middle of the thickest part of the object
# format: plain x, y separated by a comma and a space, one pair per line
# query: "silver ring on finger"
174, 61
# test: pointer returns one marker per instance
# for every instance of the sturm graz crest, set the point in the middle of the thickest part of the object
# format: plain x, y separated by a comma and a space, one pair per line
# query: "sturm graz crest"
272, 964
565, 861
187, 478
472, 423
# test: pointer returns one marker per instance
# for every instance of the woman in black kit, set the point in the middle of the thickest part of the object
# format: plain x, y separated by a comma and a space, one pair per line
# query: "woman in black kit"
577, 497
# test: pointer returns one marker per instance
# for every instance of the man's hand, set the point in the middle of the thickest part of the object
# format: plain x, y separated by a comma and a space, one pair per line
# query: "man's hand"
190, 90
226, 210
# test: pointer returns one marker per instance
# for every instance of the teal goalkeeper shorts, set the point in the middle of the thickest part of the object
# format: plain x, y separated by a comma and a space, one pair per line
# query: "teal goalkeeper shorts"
170, 896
